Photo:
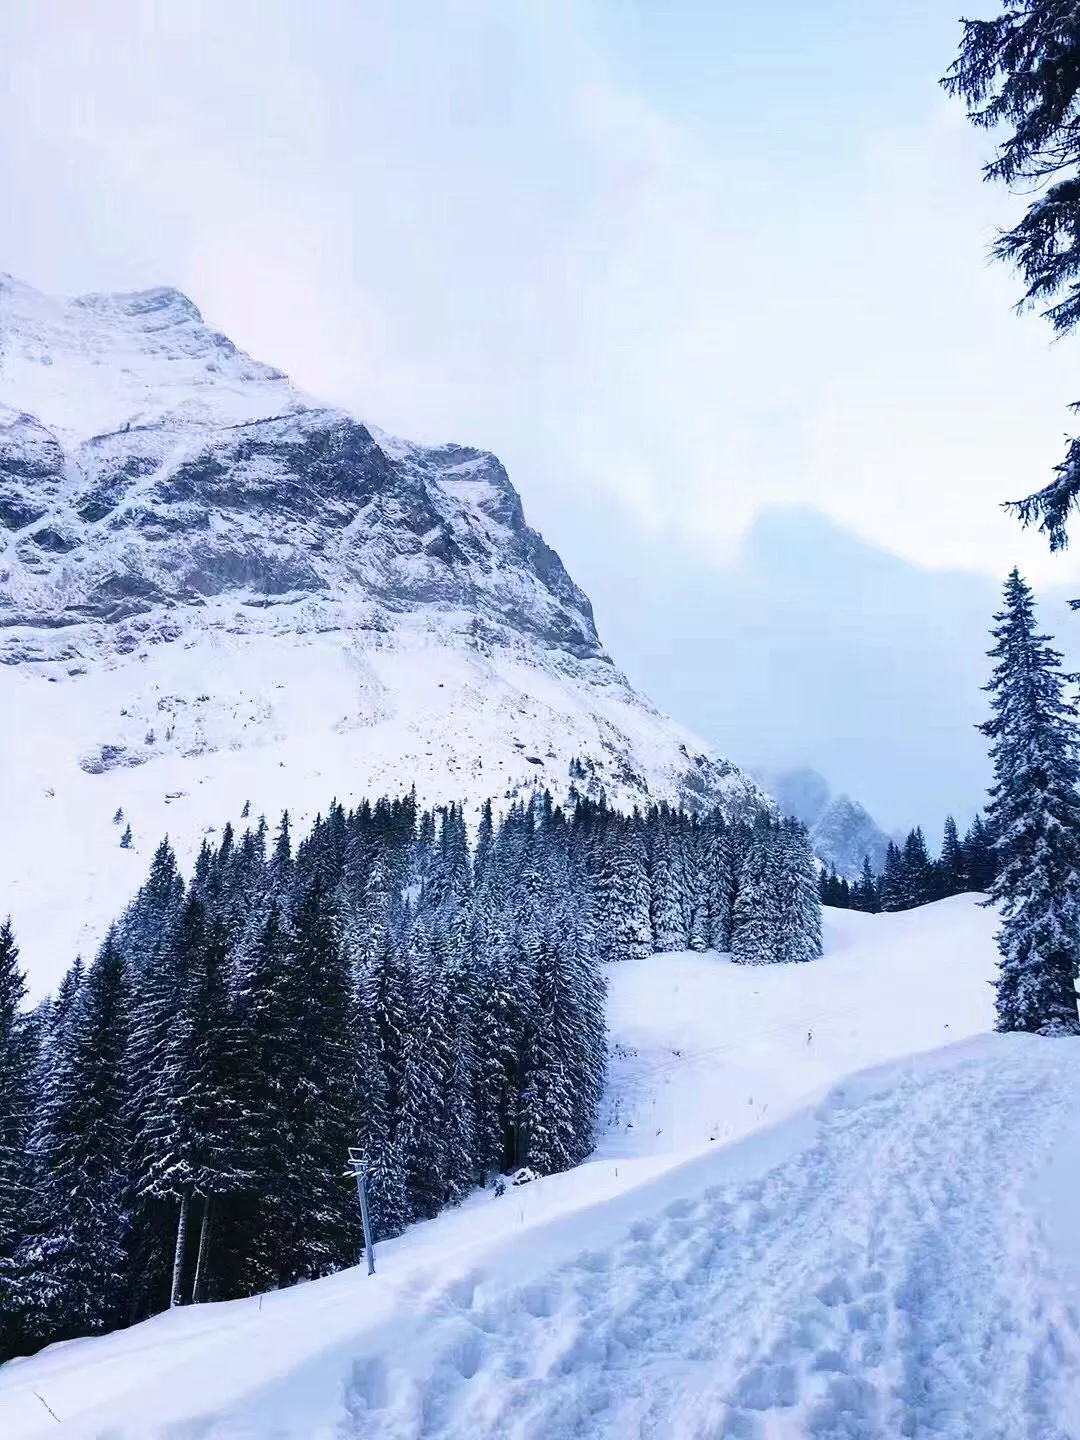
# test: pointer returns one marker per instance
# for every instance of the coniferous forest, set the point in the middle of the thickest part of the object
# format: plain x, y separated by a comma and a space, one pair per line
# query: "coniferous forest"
911, 877
175, 1121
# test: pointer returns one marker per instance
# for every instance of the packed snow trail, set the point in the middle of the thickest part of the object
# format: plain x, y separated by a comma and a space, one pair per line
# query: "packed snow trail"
889, 1264
890, 1280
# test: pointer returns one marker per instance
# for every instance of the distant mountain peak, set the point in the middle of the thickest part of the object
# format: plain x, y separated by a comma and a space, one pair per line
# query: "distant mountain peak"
843, 832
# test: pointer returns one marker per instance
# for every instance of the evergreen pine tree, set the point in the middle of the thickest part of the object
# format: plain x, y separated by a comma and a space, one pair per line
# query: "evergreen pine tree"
865, 894
951, 869
797, 903
495, 1047
381, 1155
980, 862
629, 922
892, 887
547, 1103
915, 880
424, 1080
17, 1062
1020, 69
722, 864
189, 1128
667, 914
755, 917
1035, 817
266, 1065
322, 1230
75, 1253
459, 1133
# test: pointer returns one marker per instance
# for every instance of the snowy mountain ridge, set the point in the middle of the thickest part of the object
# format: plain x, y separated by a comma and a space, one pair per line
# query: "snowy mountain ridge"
210, 579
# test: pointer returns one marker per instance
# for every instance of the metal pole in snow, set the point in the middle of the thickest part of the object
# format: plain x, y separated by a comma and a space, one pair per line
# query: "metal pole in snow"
358, 1166
369, 1243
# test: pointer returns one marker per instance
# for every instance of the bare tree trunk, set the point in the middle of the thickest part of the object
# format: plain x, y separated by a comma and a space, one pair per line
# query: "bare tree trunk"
178, 1255
204, 1251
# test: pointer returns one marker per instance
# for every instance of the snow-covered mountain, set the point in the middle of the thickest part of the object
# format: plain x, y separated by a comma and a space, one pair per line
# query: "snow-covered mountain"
215, 589
842, 831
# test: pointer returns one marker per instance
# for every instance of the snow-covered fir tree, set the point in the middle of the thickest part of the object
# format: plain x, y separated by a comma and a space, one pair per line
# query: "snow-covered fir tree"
73, 1259
1034, 814
952, 879
18, 1041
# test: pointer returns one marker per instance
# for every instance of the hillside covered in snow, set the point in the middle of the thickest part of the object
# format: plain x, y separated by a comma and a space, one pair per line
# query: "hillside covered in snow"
772, 1241
216, 590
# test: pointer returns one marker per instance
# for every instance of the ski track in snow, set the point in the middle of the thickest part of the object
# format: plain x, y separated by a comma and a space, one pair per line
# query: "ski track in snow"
889, 1281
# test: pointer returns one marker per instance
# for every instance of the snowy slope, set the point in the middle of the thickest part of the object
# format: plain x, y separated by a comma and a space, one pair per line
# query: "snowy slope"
214, 588
899, 1258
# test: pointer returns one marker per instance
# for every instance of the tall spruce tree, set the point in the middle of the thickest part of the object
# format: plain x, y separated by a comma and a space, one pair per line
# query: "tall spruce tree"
892, 888
547, 1093
723, 860
188, 1111
321, 1226
74, 1256
1035, 817
265, 1066
427, 1062
980, 862
1020, 70
17, 1066
864, 895
916, 880
756, 912
798, 931
667, 913
374, 1138
951, 869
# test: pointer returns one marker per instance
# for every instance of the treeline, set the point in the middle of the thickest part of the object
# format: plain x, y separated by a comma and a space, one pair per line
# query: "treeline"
175, 1121
911, 877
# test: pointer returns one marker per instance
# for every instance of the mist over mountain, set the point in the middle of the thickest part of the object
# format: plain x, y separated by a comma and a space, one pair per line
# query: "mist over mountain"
813, 648
842, 831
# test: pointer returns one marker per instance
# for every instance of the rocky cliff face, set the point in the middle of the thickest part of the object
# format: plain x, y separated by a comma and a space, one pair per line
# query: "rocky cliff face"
123, 504
209, 579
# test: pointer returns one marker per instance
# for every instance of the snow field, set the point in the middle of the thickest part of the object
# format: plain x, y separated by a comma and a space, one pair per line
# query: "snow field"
706, 1051
291, 721
877, 1265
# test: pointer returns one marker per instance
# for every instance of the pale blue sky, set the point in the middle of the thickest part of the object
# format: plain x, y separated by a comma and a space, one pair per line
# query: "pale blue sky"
679, 264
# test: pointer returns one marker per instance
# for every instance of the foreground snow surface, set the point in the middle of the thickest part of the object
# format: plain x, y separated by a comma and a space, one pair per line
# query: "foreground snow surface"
896, 1257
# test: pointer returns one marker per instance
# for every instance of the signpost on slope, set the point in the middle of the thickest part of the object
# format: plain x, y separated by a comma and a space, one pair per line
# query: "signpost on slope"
358, 1167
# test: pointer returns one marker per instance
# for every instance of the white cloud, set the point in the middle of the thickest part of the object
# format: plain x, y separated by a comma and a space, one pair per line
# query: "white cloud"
465, 220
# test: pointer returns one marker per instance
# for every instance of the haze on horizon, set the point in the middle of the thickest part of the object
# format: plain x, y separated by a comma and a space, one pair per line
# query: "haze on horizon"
682, 277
